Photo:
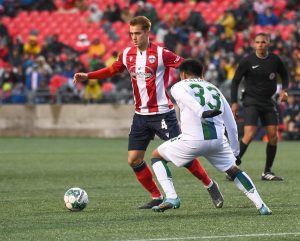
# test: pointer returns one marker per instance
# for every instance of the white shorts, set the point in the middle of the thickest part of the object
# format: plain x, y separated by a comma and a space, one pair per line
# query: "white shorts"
218, 152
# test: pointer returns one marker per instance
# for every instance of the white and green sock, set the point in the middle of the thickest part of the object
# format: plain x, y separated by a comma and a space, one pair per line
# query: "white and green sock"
245, 184
164, 177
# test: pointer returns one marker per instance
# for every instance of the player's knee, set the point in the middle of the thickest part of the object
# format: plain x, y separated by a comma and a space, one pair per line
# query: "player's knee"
232, 172
273, 139
134, 161
155, 154
249, 135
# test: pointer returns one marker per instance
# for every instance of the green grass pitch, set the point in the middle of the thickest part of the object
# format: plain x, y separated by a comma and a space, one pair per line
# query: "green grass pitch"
35, 173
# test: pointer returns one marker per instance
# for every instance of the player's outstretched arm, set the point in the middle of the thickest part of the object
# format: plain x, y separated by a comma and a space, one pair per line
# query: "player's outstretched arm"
78, 77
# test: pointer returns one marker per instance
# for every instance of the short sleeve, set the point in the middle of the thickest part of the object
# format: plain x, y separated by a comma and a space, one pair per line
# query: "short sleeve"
171, 59
118, 64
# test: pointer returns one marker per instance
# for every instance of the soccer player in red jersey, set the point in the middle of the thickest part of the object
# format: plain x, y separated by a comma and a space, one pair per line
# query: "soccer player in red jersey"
148, 66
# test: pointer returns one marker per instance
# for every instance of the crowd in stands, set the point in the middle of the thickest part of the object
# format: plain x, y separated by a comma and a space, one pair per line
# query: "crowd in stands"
37, 67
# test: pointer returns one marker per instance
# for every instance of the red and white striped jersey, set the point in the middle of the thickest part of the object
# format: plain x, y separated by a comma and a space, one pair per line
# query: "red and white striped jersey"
149, 71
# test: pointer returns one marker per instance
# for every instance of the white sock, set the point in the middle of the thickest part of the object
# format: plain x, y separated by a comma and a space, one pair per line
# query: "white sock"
164, 178
245, 184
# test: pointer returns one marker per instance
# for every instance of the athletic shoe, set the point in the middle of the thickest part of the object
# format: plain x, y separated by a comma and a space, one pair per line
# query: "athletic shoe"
264, 210
169, 203
151, 204
270, 176
216, 195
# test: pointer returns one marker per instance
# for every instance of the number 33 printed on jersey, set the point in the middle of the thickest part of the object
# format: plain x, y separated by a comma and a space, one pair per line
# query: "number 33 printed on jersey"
200, 93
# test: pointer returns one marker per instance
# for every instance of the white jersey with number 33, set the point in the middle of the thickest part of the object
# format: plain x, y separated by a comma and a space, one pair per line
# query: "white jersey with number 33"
193, 96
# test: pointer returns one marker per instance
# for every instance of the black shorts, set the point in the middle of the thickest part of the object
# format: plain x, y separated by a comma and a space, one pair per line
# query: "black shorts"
268, 115
144, 128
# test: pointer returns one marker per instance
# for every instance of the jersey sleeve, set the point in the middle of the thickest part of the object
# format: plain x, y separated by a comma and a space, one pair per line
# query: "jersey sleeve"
183, 98
231, 127
118, 65
171, 59
240, 72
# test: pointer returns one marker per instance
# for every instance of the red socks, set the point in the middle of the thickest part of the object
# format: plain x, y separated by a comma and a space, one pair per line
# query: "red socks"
198, 171
144, 176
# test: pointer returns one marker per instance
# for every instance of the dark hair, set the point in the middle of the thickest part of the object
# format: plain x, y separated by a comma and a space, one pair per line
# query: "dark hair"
141, 20
191, 67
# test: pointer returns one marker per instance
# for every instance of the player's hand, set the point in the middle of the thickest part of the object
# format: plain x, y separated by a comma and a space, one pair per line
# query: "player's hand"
283, 96
235, 110
210, 113
238, 160
78, 77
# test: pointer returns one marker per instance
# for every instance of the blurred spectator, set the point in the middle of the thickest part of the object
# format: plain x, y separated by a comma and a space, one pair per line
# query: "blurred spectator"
111, 59
226, 24
18, 44
141, 9
96, 14
126, 14
291, 118
32, 47
243, 15
11, 7
112, 13
3, 30
81, 5
43, 67
92, 92
171, 39
15, 58
82, 44
162, 30
259, 6
211, 74
6, 92
150, 12
33, 78
3, 49
96, 48
196, 22
18, 94
268, 17
68, 70
52, 45
96, 63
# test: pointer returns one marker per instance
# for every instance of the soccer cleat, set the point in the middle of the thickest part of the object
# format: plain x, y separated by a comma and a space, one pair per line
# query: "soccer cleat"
216, 195
270, 176
151, 204
264, 210
169, 203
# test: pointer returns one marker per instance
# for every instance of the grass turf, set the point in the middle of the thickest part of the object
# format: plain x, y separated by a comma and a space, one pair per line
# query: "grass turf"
35, 173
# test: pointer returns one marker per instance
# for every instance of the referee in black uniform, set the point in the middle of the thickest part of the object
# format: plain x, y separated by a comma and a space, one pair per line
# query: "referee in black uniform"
260, 70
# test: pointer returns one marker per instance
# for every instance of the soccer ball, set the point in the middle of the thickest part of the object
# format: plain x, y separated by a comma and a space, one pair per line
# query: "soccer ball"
76, 199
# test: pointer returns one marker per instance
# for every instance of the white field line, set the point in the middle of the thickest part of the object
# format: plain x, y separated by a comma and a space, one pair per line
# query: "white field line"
219, 236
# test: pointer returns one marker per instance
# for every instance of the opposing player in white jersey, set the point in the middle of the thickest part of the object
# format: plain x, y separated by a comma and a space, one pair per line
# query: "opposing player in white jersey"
201, 137
149, 65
